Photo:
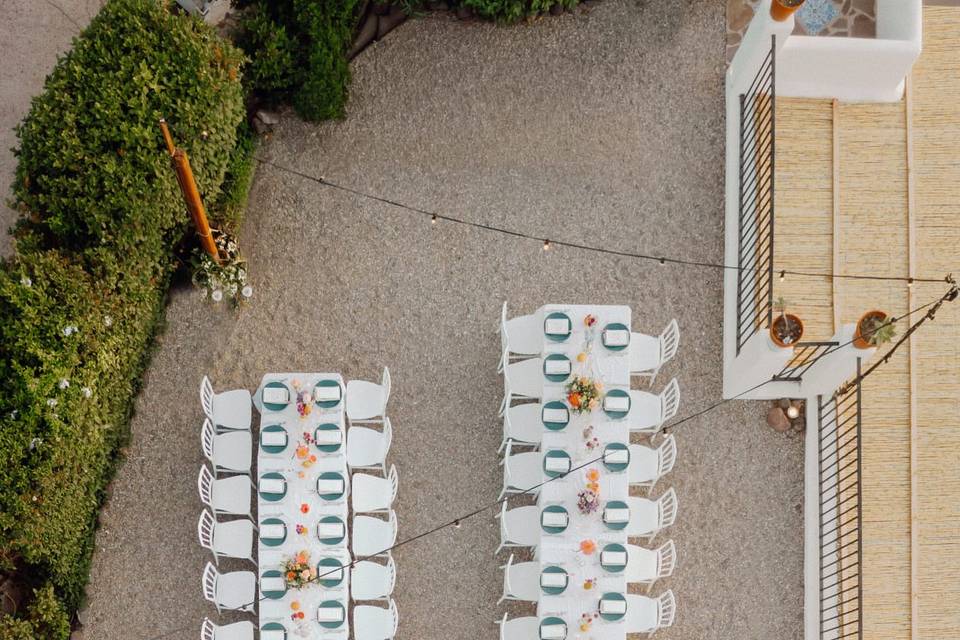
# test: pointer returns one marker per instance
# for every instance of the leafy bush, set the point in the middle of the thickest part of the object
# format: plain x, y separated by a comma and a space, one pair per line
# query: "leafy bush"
227, 211
509, 11
92, 167
46, 618
298, 52
81, 302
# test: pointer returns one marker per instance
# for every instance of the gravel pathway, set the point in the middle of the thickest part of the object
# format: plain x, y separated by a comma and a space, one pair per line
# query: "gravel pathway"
604, 127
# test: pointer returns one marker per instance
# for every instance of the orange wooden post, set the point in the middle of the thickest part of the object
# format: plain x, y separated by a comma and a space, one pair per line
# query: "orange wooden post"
191, 195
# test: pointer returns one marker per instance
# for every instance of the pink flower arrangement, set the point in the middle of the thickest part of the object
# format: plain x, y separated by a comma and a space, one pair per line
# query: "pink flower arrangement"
588, 501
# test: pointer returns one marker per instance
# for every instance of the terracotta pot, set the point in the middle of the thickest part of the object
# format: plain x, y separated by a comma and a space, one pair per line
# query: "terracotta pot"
859, 341
780, 10
794, 320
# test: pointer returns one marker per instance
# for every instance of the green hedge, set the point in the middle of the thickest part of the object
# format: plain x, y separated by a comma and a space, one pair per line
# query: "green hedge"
227, 211
297, 50
83, 299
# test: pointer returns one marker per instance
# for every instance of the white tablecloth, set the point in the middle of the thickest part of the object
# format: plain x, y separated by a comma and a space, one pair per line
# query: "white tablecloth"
300, 491
612, 368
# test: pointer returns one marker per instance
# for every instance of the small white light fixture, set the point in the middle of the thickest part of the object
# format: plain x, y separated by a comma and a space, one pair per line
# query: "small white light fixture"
792, 412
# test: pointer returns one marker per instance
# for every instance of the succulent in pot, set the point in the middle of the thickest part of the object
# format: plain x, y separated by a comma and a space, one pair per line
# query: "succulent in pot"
874, 329
786, 329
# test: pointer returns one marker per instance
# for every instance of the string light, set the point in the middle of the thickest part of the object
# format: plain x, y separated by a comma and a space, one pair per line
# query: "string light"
909, 282
433, 219
546, 245
783, 276
574, 245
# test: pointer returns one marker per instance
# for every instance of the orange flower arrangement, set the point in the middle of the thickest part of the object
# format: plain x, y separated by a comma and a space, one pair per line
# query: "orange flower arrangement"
304, 508
587, 547
593, 475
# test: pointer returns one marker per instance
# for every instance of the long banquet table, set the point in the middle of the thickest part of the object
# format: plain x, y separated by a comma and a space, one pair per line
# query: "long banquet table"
303, 505
564, 549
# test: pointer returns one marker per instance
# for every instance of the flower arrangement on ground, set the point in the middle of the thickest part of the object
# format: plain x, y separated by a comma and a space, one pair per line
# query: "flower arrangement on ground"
227, 279
583, 394
297, 570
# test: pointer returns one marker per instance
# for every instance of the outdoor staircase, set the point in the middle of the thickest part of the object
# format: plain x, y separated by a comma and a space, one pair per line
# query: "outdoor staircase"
858, 188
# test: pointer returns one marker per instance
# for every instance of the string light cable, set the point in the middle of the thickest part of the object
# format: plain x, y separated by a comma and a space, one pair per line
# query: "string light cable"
549, 243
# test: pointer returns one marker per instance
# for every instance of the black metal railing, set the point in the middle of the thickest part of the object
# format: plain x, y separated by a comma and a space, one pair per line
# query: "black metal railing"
755, 244
840, 517
805, 355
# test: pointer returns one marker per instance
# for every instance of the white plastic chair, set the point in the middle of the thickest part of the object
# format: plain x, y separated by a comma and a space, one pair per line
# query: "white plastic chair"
229, 410
522, 425
230, 539
649, 517
649, 465
229, 496
375, 623
519, 628
521, 581
373, 537
646, 615
649, 412
522, 336
519, 527
521, 471
371, 494
523, 379
230, 452
234, 591
648, 353
646, 566
236, 631
367, 448
367, 401
372, 580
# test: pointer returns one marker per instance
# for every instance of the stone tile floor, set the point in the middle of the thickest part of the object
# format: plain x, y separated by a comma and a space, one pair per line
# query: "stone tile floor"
832, 18
604, 126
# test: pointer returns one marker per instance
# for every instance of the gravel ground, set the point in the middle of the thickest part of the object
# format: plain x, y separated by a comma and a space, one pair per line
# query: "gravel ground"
604, 127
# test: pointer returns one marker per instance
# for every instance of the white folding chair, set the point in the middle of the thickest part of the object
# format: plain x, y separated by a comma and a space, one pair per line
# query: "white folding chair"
367, 448
649, 465
649, 517
228, 496
523, 379
519, 527
229, 410
372, 494
519, 628
373, 537
522, 336
646, 566
521, 471
236, 631
230, 452
649, 412
646, 615
521, 581
522, 425
234, 591
367, 401
648, 353
230, 539
372, 580
375, 623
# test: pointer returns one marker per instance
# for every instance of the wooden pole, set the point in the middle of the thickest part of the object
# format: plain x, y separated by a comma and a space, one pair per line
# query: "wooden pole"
191, 195
194, 205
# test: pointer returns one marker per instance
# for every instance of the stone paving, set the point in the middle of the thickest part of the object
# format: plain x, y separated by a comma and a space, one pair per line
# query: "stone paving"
832, 18
604, 127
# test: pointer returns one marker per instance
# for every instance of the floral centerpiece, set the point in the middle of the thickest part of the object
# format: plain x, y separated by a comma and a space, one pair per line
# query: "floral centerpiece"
304, 400
588, 501
583, 394
587, 619
297, 570
589, 440
587, 547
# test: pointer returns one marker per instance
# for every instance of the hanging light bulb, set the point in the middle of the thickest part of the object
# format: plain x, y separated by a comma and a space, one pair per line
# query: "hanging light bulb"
783, 276
546, 245
433, 219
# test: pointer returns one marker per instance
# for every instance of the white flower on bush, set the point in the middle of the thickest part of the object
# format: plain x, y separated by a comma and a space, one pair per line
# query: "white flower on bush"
64, 383
247, 291
87, 392
216, 295
107, 321
51, 402
25, 281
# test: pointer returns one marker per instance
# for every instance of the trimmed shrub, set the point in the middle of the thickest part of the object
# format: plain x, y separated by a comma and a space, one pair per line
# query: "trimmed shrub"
227, 212
298, 52
83, 299
92, 167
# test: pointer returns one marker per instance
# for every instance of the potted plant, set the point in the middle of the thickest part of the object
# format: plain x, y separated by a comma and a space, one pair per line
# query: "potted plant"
780, 10
786, 329
873, 330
